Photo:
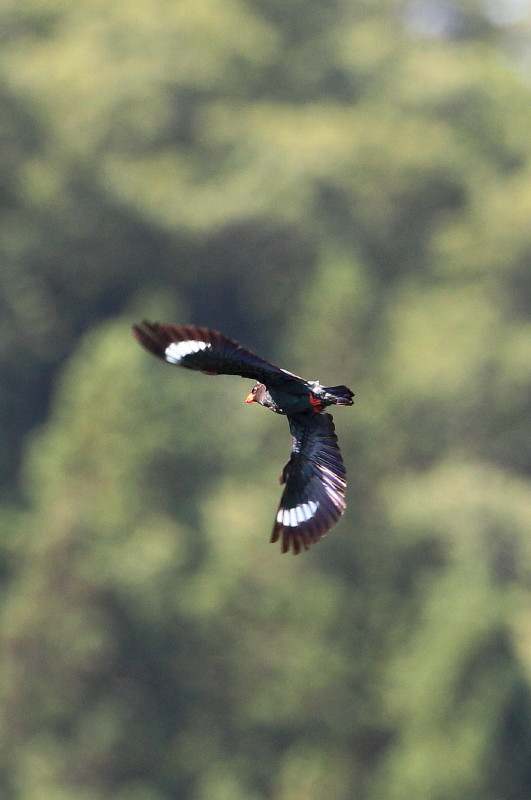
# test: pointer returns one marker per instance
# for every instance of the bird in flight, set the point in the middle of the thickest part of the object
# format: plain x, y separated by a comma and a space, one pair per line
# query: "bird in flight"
314, 478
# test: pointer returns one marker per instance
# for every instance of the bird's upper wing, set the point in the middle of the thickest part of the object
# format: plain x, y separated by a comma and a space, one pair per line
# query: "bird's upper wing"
208, 351
315, 477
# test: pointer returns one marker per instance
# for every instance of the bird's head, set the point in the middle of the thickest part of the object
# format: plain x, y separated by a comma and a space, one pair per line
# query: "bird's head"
258, 394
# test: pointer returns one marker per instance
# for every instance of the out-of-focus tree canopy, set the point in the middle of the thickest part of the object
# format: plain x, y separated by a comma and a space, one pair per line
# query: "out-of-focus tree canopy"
346, 188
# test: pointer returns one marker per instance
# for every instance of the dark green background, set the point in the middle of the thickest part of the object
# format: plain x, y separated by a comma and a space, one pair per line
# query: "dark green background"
344, 187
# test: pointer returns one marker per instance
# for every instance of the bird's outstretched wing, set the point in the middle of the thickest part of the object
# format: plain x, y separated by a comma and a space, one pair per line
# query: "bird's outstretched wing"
208, 351
315, 482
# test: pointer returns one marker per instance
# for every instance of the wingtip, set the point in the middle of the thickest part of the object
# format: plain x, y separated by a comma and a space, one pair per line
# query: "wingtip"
286, 539
146, 333
296, 539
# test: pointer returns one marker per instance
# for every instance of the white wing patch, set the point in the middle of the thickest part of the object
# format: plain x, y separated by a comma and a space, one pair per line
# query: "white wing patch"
291, 517
176, 351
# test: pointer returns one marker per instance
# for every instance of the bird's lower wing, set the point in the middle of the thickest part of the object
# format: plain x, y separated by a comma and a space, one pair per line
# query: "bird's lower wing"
206, 350
315, 481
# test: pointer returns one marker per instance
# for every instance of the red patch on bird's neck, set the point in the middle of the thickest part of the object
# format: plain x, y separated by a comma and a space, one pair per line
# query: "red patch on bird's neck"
317, 407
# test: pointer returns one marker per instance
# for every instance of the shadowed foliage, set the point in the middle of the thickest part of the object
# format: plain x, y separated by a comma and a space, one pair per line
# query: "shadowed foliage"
346, 191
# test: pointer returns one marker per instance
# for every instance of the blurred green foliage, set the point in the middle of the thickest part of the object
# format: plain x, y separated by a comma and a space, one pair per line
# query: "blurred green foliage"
345, 187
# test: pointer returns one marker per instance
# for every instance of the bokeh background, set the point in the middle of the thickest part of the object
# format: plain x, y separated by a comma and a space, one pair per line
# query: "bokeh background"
345, 187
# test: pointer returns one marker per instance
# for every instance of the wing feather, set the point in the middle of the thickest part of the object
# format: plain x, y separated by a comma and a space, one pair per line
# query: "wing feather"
315, 483
208, 351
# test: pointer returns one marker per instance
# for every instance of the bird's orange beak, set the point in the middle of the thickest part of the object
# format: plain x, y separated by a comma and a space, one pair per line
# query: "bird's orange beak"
250, 398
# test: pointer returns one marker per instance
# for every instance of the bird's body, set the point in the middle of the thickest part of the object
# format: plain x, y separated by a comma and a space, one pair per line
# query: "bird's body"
307, 396
314, 477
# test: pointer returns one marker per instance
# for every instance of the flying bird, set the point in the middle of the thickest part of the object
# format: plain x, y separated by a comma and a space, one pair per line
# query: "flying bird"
314, 478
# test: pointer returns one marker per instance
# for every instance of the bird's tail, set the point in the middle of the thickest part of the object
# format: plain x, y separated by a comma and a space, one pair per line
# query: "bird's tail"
339, 395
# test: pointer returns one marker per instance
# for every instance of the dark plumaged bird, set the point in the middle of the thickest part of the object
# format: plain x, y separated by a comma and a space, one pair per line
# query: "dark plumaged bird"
314, 478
